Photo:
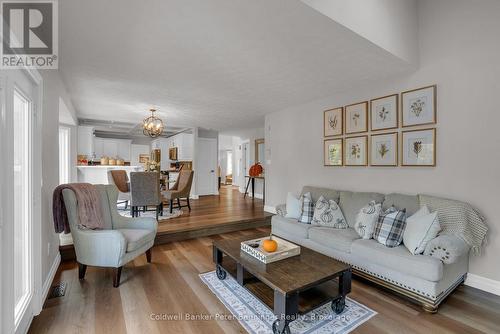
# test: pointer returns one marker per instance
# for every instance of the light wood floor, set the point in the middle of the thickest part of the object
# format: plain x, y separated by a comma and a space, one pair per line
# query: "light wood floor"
170, 285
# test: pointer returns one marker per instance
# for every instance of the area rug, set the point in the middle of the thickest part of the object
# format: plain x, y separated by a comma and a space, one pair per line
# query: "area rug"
166, 213
257, 318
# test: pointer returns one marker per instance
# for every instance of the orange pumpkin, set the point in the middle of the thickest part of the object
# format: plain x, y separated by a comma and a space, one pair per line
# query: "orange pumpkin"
256, 170
269, 245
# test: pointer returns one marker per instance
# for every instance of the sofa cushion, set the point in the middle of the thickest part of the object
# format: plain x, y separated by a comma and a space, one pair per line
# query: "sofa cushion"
317, 192
398, 259
339, 239
327, 213
351, 202
307, 211
390, 227
136, 238
290, 226
293, 206
401, 201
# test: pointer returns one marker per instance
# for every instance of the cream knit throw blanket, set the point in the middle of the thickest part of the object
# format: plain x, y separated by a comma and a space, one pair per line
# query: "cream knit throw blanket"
459, 219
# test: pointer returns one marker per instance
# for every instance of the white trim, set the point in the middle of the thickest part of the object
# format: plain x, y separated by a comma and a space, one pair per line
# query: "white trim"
270, 209
48, 283
483, 283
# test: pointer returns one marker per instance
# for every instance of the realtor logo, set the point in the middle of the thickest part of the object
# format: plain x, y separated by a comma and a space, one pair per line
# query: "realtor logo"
29, 34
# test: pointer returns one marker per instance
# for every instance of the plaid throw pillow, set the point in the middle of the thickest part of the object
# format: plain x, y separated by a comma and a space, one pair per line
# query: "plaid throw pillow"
307, 209
390, 227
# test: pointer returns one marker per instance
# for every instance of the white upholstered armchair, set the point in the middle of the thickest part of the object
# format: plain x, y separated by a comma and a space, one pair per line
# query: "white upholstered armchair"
122, 239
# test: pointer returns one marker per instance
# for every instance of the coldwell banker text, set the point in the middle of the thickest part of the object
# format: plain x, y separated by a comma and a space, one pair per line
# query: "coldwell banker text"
30, 34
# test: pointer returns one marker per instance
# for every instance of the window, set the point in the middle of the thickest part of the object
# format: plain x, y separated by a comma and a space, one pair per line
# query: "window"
64, 160
23, 286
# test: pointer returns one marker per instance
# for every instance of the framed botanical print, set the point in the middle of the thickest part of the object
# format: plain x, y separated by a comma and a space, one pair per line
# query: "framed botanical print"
384, 113
419, 147
419, 106
384, 149
332, 122
356, 151
333, 152
356, 118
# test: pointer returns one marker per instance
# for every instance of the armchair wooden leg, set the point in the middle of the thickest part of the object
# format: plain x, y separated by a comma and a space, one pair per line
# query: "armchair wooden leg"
126, 204
189, 206
117, 272
148, 255
171, 205
179, 202
82, 269
132, 211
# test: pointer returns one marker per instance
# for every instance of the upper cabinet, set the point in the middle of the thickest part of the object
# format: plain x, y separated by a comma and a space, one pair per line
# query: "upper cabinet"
85, 140
184, 143
113, 148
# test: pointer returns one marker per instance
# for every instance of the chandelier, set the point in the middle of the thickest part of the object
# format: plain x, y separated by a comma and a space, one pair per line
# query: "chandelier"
152, 126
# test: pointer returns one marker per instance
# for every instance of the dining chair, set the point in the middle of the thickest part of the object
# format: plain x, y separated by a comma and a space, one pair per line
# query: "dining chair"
144, 192
121, 240
180, 190
120, 179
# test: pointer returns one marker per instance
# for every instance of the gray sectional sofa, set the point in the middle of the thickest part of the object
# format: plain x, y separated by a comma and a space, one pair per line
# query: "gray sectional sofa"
425, 279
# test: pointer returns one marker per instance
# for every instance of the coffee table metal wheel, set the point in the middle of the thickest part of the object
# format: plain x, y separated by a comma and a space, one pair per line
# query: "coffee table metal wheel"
286, 330
221, 273
338, 305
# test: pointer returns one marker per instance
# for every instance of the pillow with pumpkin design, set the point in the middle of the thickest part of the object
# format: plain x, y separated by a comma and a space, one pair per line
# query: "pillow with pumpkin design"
327, 213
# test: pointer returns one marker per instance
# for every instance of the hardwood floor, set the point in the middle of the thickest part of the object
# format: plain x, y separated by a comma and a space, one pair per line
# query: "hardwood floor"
214, 215
170, 285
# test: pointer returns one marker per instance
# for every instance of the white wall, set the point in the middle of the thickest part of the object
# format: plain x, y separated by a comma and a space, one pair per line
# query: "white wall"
459, 51
390, 24
53, 91
135, 150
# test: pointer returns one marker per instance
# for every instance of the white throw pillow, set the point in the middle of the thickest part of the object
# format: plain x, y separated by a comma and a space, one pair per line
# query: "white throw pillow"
293, 206
366, 219
327, 213
421, 228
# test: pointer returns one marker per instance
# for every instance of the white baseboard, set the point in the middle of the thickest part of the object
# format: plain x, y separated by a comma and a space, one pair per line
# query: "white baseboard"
48, 281
270, 209
483, 283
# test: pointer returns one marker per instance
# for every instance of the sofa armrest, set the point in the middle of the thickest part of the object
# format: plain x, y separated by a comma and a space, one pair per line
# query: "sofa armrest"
447, 248
102, 248
281, 210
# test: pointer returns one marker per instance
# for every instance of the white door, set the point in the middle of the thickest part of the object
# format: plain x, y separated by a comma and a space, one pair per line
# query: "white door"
20, 184
206, 166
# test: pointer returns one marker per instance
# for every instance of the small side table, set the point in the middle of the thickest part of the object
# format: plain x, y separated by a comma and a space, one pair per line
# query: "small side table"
251, 179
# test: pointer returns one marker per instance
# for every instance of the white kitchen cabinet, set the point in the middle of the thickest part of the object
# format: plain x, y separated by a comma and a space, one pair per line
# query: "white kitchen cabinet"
85, 140
112, 148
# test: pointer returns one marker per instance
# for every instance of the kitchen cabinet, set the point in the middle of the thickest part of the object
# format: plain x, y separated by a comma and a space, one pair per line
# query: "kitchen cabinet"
184, 143
85, 140
112, 148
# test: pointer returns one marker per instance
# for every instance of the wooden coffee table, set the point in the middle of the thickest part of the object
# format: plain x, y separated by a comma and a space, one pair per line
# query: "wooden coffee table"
290, 287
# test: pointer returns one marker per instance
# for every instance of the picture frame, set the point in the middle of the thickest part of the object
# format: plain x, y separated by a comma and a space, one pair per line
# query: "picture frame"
333, 152
356, 118
419, 107
333, 122
384, 113
384, 149
143, 158
418, 148
356, 151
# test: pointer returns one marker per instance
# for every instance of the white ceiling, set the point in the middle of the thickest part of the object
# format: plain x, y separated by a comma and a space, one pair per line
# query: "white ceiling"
217, 64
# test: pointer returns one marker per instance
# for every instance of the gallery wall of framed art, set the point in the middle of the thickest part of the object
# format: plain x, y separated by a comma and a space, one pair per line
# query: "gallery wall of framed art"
389, 131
